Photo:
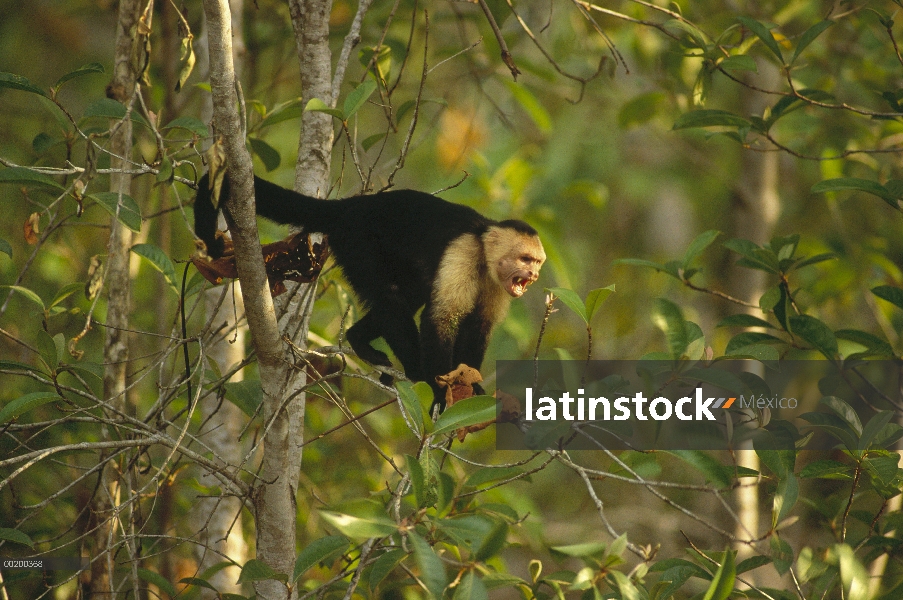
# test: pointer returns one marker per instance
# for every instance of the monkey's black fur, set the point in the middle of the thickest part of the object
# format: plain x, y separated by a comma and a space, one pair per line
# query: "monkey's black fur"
390, 246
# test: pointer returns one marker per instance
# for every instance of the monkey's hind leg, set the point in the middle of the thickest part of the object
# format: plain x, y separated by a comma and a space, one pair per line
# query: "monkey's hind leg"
399, 331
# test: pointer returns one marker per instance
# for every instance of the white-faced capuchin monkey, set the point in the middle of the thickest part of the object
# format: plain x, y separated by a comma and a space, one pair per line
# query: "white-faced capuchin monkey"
401, 250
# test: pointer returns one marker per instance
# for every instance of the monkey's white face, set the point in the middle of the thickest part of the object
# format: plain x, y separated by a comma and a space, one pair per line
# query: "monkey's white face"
519, 266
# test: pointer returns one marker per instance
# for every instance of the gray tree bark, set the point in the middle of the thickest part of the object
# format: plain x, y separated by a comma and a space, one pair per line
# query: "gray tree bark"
274, 499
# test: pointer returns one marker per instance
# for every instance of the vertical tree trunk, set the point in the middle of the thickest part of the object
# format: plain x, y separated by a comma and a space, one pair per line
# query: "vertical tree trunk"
274, 500
223, 517
755, 213
116, 350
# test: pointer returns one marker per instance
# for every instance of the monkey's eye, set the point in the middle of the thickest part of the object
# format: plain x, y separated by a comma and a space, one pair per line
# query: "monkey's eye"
526, 258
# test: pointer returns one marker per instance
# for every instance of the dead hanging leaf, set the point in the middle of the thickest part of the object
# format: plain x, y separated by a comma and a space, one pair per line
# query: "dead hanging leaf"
458, 385
95, 278
31, 228
186, 61
216, 169
292, 259
186, 50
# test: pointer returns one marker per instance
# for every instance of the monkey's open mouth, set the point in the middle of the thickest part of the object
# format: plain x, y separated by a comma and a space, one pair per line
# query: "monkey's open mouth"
517, 285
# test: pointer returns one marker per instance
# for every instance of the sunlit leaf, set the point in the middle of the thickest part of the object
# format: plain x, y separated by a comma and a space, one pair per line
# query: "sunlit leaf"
470, 411
763, 34
317, 105
809, 36
357, 98
160, 261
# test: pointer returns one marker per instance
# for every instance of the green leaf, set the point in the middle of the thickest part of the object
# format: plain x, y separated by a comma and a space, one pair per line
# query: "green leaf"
873, 427
844, 411
158, 580
413, 397
66, 291
17, 82
668, 317
470, 587
492, 543
883, 468
814, 260
585, 550
129, 213
739, 62
827, 469
856, 184
744, 320
27, 293
894, 295
192, 124
257, 570
197, 581
753, 562
754, 257
357, 98
14, 535
85, 70
415, 469
595, 298
360, 527
268, 155
627, 590
763, 34
705, 464
710, 118
27, 177
785, 498
639, 262
470, 411
702, 241
246, 395
531, 105
369, 141
384, 565
809, 37
107, 108
317, 105
852, 573
6, 248
815, 333
323, 550
691, 36
781, 553
23, 404
723, 582
51, 348
571, 300
160, 261
833, 425
432, 570
17, 366
759, 352
286, 111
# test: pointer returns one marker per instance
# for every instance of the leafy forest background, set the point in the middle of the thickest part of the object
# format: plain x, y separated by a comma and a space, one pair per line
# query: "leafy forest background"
709, 179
